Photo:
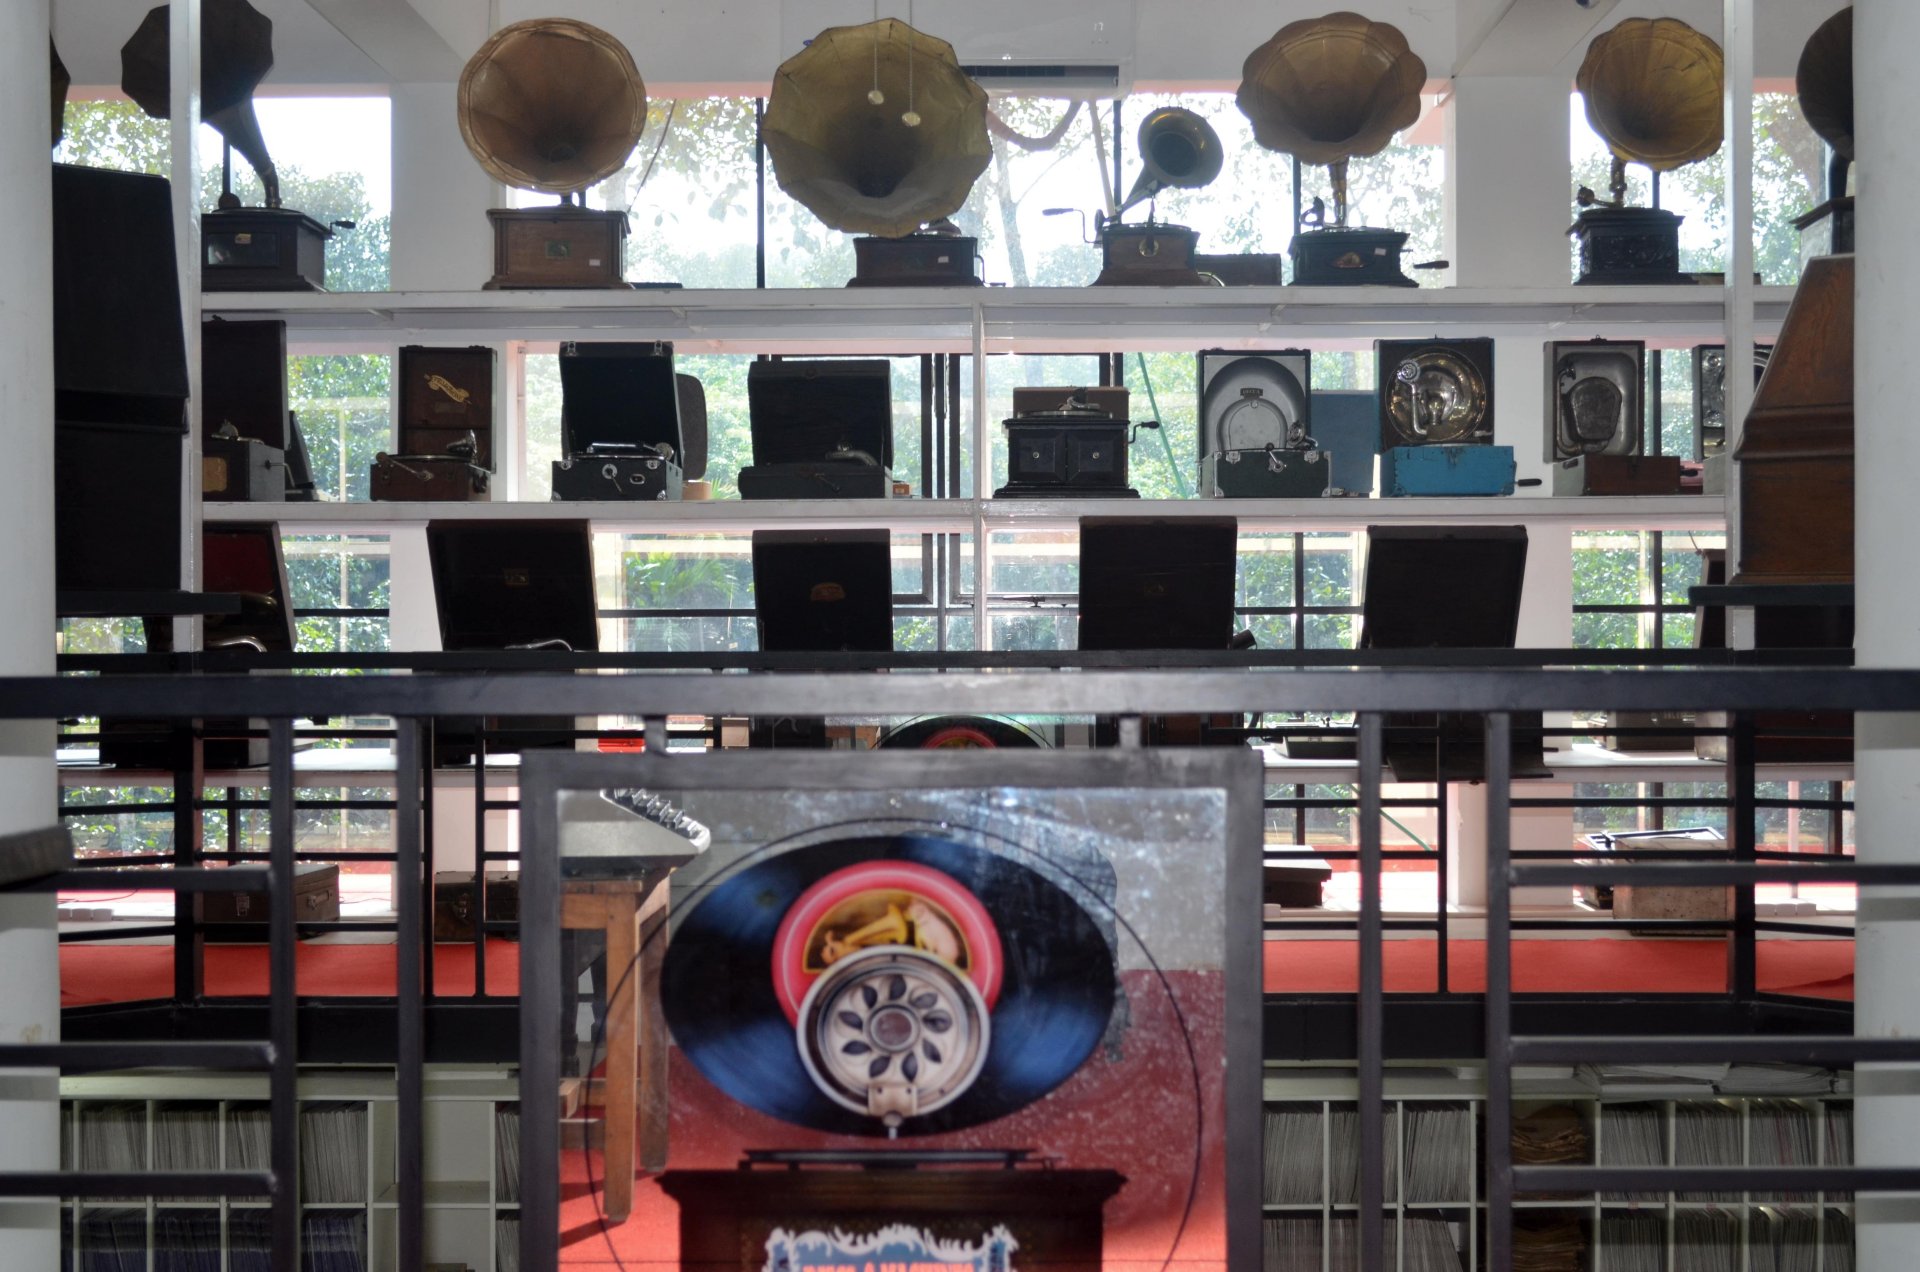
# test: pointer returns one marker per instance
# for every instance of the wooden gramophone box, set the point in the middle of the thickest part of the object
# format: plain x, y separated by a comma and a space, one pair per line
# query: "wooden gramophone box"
1794, 463
446, 393
557, 247
262, 249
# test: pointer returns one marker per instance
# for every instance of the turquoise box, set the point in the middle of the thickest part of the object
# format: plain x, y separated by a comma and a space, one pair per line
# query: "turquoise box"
1446, 470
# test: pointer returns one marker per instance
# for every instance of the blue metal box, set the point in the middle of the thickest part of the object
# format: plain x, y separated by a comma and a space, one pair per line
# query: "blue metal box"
1446, 470
1346, 422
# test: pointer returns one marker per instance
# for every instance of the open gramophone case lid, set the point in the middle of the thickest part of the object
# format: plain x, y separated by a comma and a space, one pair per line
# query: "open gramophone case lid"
620, 392
856, 164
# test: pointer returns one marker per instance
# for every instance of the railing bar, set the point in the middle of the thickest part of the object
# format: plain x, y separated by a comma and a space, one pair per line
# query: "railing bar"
1371, 1045
1499, 1001
282, 1006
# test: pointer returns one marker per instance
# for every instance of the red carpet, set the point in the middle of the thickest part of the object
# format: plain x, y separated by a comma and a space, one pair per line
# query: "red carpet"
94, 973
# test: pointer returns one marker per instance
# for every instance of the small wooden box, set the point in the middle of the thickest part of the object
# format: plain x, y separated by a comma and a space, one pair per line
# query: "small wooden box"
1618, 475
445, 393
454, 910
263, 249
557, 247
316, 899
438, 480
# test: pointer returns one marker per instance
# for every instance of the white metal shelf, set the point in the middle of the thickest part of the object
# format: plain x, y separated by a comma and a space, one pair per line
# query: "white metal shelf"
957, 516
943, 319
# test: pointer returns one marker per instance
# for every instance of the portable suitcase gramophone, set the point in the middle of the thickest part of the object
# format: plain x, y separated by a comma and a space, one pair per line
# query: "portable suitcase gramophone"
620, 422
1255, 413
1330, 90
1069, 441
243, 249
553, 105
1652, 89
1824, 80
445, 427
877, 131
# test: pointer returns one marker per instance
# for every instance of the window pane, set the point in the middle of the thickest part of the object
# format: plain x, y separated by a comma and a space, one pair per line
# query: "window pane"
342, 403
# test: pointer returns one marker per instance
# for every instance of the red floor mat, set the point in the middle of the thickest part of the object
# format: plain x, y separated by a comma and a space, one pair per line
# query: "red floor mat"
92, 973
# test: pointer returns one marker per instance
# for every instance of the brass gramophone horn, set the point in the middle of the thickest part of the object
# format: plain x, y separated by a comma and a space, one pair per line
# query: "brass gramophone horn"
1652, 91
875, 129
1326, 90
1824, 80
1177, 148
552, 104
236, 52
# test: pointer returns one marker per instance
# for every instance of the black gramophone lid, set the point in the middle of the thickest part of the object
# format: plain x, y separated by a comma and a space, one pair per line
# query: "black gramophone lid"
802, 410
621, 393
1446, 587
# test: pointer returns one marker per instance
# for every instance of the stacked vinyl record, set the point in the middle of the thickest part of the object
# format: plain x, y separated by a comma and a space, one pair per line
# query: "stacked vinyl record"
1706, 1241
1551, 1136
1632, 1135
333, 1153
1547, 1241
1706, 1135
506, 1151
1631, 1241
334, 1241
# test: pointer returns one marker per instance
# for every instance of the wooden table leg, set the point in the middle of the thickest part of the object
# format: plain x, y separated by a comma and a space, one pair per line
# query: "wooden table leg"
653, 1032
623, 1021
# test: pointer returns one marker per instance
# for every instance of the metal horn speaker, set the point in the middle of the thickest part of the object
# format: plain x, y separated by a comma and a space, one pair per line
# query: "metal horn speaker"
1327, 90
1824, 81
875, 129
1177, 148
552, 104
1652, 89
236, 52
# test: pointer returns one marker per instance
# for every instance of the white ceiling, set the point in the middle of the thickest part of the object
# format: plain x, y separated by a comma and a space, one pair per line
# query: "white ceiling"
737, 43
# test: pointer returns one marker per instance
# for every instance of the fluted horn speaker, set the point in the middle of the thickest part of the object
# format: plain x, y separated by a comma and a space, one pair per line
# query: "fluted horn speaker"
243, 249
877, 131
554, 105
1652, 88
1330, 90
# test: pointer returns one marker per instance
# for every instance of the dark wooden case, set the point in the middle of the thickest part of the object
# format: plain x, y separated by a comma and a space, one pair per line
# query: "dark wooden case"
802, 410
445, 393
1243, 269
455, 908
1151, 583
116, 507
1062, 456
243, 379
1628, 245
1113, 400
262, 249
915, 260
242, 470
1795, 461
316, 899
557, 247
1348, 257
823, 590
1618, 475
505, 584
819, 479
430, 479
1149, 255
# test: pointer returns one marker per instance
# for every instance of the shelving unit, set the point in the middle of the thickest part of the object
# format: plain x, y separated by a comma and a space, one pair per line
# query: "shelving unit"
1000, 320
1325, 1200
470, 1185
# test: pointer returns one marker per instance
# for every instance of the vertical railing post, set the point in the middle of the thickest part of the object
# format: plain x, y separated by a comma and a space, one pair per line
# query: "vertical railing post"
1371, 1046
282, 1001
1742, 966
189, 781
1499, 994
411, 1025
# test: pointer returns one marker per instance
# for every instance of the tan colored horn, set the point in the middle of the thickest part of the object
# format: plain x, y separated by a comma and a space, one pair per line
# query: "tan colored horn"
552, 104
1330, 89
881, 167
1652, 88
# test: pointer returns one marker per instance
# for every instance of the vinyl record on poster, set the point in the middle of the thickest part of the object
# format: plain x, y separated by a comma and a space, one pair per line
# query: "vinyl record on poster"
832, 934
960, 733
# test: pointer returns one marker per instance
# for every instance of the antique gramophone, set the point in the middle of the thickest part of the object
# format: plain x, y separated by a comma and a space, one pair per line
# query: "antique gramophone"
1329, 90
1652, 91
553, 105
243, 249
877, 131
1177, 149
1824, 81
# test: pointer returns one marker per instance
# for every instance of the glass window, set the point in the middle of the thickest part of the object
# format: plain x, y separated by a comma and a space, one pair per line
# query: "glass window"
333, 156
340, 587
343, 406
1631, 587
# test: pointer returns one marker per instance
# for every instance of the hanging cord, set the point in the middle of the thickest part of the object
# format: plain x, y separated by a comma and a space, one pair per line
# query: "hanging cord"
911, 117
874, 94
665, 128
1033, 145
1166, 443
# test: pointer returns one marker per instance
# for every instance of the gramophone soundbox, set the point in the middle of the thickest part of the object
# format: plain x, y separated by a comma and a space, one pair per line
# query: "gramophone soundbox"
1149, 255
557, 247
